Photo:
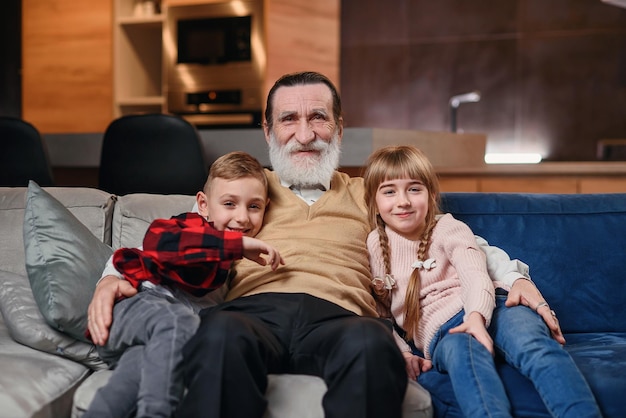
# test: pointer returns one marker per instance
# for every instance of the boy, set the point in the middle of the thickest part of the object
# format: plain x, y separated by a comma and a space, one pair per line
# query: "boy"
182, 259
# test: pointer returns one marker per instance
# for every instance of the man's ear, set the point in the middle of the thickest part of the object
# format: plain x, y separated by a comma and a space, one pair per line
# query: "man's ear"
340, 128
203, 204
266, 132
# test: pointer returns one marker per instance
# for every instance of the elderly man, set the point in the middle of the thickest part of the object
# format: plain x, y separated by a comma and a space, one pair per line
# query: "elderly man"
315, 315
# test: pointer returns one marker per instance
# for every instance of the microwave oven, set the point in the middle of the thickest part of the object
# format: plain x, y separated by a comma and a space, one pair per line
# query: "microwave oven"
215, 62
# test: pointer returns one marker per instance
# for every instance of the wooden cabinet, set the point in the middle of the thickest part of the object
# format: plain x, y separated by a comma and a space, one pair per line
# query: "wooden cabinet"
583, 177
300, 35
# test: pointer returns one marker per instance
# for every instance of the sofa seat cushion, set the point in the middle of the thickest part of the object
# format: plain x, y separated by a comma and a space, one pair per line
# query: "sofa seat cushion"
601, 357
288, 395
595, 361
34, 383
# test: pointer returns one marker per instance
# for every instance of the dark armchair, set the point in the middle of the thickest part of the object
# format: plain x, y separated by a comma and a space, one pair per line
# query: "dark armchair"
23, 154
152, 153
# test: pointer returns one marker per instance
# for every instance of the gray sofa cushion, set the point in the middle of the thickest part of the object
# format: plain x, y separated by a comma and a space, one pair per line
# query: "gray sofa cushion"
288, 395
33, 383
27, 326
64, 260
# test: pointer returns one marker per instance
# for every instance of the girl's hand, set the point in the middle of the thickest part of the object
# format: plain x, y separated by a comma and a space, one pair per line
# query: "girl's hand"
416, 364
475, 326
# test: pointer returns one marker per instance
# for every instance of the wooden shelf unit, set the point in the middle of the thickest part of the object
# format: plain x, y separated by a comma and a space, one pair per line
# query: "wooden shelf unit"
139, 79
137, 60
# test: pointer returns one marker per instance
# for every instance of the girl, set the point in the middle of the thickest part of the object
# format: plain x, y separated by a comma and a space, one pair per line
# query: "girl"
431, 277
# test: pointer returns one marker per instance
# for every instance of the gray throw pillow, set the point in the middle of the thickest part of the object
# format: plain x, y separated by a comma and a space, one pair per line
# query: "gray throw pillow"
64, 261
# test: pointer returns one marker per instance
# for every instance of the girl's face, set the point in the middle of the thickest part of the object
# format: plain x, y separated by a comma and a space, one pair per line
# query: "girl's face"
403, 206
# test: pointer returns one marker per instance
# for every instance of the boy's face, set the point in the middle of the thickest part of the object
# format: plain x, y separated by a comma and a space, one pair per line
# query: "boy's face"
234, 205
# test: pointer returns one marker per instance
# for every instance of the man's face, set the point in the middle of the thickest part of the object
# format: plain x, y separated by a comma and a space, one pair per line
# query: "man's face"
304, 140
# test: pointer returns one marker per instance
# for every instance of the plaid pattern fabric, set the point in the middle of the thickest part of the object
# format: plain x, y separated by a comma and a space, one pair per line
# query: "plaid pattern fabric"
184, 251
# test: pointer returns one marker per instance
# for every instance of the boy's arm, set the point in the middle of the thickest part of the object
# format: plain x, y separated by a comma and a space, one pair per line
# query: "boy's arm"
109, 270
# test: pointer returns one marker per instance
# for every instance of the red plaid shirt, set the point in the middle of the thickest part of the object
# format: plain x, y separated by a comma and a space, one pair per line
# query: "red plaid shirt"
184, 251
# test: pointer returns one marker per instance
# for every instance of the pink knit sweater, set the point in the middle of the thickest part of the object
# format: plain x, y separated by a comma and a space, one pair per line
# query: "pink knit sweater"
458, 281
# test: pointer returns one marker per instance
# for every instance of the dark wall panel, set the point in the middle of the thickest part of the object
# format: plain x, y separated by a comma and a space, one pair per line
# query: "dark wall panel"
552, 74
10, 58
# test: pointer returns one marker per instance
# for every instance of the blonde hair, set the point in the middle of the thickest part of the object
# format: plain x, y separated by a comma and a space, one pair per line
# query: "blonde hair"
236, 165
390, 163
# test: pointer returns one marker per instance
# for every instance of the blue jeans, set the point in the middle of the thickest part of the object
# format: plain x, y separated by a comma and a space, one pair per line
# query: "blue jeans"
145, 349
523, 340
475, 381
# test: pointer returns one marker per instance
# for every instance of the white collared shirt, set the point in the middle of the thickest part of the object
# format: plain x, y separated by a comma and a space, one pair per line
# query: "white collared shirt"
310, 195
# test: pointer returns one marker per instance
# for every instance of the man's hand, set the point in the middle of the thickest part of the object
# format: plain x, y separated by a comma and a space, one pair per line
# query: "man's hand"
524, 292
475, 326
100, 311
253, 248
416, 364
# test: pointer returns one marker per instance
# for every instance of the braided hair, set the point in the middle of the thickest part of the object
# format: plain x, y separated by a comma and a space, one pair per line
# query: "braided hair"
395, 162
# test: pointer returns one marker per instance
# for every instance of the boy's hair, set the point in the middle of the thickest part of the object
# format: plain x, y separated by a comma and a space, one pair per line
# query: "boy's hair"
390, 163
236, 165
302, 79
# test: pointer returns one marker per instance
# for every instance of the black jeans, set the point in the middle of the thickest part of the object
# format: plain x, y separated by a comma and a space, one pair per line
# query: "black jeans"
240, 342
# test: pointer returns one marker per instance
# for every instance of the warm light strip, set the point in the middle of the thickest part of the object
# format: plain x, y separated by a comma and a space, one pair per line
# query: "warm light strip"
512, 158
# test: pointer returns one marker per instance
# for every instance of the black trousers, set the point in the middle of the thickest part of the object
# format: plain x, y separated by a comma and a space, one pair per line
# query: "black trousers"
240, 342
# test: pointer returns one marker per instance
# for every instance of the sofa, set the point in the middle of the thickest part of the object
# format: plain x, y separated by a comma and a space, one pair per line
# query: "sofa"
575, 246
55, 241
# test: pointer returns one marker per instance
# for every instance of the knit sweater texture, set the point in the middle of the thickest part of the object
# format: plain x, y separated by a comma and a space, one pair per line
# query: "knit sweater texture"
323, 246
458, 281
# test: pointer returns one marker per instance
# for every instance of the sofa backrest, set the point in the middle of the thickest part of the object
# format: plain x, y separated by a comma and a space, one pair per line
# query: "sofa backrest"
92, 207
134, 213
575, 246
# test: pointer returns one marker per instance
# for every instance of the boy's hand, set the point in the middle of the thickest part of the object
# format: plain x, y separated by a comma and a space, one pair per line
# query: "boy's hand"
475, 326
100, 311
416, 364
253, 248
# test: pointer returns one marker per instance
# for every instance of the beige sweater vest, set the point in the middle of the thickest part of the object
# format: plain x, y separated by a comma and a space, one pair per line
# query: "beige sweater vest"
323, 246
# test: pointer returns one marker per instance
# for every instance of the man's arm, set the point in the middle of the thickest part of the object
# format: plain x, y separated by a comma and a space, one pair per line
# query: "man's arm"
110, 287
500, 266
523, 291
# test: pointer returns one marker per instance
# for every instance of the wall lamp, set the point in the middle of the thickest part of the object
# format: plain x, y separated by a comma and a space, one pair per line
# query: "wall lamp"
456, 101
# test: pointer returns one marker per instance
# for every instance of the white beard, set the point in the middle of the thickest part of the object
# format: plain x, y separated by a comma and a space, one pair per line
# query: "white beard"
305, 171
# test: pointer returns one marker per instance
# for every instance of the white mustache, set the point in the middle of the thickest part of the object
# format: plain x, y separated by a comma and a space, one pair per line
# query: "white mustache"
316, 145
